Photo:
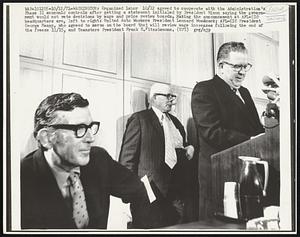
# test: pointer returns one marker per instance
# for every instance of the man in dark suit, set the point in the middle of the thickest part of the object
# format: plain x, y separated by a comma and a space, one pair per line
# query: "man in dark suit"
154, 144
67, 182
224, 113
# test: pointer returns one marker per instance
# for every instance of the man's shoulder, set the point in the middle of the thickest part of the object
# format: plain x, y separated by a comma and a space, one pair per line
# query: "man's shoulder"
98, 149
31, 165
100, 162
143, 114
205, 83
28, 157
99, 153
28, 160
203, 87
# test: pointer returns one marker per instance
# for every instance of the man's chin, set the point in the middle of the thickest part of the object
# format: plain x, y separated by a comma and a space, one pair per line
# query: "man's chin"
168, 108
237, 84
84, 160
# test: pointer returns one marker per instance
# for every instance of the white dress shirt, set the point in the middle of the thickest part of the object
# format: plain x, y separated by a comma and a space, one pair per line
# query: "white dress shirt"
176, 136
60, 175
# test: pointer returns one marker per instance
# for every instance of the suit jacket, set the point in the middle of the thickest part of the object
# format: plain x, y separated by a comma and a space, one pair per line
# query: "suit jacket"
143, 150
43, 206
222, 120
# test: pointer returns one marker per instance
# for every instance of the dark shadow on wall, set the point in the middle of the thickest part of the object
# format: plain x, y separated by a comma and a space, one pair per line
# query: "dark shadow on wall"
139, 101
192, 195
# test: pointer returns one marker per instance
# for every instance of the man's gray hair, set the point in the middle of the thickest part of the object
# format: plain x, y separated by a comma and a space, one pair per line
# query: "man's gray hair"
157, 88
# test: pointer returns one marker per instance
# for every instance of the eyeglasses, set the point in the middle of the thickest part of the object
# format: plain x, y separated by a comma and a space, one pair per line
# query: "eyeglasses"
169, 96
79, 129
239, 67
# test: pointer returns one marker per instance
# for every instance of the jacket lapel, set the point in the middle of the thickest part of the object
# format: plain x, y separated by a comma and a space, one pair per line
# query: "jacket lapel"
231, 98
178, 125
155, 123
46, 176
248, 107
94, 191
54, 203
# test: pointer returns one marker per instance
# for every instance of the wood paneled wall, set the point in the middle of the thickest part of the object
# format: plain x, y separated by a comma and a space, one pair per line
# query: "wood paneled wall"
90, 64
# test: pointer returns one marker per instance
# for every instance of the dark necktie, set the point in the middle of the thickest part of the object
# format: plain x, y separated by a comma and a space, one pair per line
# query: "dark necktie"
80, 214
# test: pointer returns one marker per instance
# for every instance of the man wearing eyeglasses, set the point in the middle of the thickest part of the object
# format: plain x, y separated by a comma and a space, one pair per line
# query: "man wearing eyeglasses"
154, 144
224, 113
67, 182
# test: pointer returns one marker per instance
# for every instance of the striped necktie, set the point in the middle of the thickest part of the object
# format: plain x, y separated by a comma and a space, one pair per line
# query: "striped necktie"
80, 214
170, 153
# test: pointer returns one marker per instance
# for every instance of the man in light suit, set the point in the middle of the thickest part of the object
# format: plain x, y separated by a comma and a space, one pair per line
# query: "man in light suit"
224, 113
67, 182
154, 144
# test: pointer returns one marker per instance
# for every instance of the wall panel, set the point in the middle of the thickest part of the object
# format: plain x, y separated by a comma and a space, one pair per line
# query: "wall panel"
148, 56
35, 84
92, 53
264, 57
105, 98
37, 47
32, 46
192, 54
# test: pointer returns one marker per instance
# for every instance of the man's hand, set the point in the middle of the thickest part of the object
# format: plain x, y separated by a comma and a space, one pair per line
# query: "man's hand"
189, 152
127, 212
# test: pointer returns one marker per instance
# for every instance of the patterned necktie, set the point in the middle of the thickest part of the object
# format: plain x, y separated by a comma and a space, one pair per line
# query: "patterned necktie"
170, 153
80, 214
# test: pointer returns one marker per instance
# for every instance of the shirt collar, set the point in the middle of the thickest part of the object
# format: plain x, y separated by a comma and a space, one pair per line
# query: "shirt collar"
158, 113
231, 87
59, 173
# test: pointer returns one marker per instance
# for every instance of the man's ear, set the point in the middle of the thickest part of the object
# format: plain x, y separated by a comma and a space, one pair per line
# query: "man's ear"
45, 138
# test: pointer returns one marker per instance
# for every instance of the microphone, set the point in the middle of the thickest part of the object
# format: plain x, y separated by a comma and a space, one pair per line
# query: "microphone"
273, 82
272, 95
271, 87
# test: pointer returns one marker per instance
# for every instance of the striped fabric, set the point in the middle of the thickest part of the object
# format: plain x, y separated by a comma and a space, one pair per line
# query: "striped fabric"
171, 139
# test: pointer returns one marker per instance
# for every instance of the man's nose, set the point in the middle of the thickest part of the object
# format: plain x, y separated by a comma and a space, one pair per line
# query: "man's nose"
242, 71
89, 137
173, 101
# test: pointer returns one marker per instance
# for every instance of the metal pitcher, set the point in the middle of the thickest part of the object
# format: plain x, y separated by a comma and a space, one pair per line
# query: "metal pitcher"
251, 188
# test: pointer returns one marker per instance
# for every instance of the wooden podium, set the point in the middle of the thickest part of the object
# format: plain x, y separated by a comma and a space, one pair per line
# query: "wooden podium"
226, 166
